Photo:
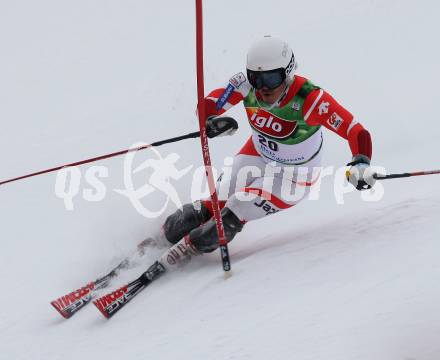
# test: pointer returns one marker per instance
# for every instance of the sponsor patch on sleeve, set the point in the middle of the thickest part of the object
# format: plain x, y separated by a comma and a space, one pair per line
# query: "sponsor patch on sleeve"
237, 80
225, 97
335, 121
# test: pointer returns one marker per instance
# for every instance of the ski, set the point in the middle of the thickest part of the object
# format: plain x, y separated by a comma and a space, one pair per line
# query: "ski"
70, 304
111, 303
176, 256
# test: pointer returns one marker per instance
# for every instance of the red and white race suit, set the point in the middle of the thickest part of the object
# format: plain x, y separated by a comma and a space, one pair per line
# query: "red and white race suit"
277, 166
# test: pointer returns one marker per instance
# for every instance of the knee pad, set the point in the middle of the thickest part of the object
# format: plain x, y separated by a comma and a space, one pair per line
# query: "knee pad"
205, 237
189, 217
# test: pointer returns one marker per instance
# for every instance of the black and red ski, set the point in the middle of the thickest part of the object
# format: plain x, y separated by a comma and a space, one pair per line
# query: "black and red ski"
111, 303
177, 255
71, 303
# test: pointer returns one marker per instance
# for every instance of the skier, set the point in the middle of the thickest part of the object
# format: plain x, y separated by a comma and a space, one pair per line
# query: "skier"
282, 157
286, 113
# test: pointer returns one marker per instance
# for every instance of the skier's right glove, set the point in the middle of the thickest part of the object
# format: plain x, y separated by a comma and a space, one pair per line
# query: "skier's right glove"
220, 126
360, 174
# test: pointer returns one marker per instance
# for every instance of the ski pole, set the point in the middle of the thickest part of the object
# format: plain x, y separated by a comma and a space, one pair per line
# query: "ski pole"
402, 175
102, 157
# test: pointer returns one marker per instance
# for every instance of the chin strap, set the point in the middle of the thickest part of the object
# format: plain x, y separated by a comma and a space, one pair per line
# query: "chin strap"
288, 83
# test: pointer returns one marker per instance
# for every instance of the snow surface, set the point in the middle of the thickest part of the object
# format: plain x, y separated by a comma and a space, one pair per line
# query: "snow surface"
357, 281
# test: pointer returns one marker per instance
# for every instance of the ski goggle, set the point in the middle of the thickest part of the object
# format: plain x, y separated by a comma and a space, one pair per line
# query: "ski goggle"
269, 79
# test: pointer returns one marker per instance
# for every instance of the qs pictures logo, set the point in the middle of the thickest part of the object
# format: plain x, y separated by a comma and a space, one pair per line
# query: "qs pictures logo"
162, 169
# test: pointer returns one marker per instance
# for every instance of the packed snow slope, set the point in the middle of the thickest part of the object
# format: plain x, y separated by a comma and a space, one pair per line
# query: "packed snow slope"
322, 281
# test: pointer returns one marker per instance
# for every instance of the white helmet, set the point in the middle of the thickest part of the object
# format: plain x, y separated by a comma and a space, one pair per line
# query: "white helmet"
270, 54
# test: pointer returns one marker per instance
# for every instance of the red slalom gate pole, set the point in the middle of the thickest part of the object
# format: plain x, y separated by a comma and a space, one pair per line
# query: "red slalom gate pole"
204, 139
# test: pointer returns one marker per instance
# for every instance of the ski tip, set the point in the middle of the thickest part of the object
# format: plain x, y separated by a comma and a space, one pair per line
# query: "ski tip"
102, 310
64, 314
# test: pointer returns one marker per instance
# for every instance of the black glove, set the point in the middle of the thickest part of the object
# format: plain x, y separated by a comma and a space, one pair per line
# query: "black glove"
220, 126
360, 174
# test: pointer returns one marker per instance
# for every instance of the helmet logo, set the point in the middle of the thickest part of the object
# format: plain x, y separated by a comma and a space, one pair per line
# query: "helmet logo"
290, 65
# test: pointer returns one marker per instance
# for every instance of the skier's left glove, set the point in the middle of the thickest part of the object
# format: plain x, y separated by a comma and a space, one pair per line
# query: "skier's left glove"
360, 174
220, 126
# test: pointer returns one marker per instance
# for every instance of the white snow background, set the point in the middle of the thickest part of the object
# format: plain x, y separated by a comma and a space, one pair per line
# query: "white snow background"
321, 281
